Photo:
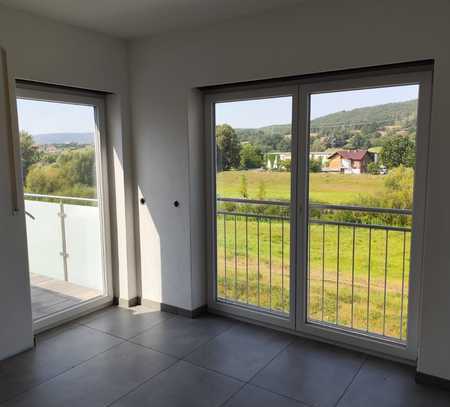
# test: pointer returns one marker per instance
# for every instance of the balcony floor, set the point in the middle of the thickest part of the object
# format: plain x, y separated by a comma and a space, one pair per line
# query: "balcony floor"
49, 295
124, 357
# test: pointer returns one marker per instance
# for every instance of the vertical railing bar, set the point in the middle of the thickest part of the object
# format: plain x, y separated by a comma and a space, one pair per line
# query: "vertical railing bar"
259, 295
246, 252
385, 282
308, 283
225, 252
368, 278
235, 258
353, 274
323, 270
64, 253
282, 265
403, 286
270, 264
337, 273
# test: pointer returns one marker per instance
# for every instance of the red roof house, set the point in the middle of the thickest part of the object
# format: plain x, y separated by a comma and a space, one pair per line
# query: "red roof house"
349, 161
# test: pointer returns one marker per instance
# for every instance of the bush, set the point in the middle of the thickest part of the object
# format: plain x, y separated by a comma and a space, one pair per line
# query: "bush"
244, 188
285, 165
315, 165
373, 168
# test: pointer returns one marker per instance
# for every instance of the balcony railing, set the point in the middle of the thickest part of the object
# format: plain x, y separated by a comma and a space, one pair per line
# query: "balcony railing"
358, 262
64, 240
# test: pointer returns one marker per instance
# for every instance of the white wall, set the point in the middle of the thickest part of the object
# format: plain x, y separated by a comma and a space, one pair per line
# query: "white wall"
45, 51
318, 36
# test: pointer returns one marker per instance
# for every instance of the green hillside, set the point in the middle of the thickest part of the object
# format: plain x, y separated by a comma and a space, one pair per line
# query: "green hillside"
358, 128
382, 115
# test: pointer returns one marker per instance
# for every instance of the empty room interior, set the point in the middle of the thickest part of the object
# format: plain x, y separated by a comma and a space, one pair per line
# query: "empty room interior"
224, 203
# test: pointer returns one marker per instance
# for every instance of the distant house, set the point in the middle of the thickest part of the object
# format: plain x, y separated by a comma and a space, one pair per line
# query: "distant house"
376, 153
321, 156
274, 160
350, 161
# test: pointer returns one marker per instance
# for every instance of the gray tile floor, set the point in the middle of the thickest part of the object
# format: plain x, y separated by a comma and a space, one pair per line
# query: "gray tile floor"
139, 356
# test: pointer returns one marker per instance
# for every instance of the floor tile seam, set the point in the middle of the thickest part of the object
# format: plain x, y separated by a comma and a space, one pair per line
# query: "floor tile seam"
233, 394
150, 327
154, 350
214, 371
104, 332
49, 379
259, 386
136, 388
272, 359
351, 381
206, 342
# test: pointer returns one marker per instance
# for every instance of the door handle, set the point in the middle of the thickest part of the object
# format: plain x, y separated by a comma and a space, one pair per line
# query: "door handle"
30, 215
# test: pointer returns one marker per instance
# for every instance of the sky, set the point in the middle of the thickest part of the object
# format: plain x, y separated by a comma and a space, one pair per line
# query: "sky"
38, 117
264, 112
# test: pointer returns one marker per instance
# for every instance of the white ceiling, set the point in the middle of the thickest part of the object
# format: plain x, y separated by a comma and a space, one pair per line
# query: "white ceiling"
137, 18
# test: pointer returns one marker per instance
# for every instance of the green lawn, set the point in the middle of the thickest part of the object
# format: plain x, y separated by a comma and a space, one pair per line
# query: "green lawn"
329, 188
264, 264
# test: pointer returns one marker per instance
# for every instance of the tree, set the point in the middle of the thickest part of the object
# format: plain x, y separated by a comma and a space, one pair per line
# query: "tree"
73, 174
250, 157
358, 141
78, 166
261, 190
244, 189
317, 144
29, 152
398, 150
228, 146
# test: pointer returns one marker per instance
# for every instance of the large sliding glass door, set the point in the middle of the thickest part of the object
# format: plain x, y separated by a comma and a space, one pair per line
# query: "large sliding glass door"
317, 221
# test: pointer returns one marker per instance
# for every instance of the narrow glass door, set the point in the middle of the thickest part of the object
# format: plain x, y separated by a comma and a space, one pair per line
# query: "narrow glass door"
253, 164
362, 156
61, 167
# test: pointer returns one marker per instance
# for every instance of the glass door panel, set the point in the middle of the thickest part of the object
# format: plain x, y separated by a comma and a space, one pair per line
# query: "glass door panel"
253, 155
62, 183
362, 152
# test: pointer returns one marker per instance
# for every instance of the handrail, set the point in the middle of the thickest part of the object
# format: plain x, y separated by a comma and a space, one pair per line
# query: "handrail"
67, 198
254, 201
359, 225
252, 215
351, 208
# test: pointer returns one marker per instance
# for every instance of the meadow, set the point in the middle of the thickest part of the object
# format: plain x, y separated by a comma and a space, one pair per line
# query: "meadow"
324, 187
350, 283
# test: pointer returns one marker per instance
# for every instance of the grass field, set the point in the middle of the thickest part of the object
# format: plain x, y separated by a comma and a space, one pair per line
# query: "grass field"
341, 283
326, 188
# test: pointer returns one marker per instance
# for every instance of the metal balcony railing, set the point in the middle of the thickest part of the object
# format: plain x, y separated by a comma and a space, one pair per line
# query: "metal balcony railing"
358, 262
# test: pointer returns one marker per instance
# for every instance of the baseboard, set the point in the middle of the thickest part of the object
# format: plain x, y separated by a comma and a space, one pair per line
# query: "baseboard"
132, 302
427, 379
174, 310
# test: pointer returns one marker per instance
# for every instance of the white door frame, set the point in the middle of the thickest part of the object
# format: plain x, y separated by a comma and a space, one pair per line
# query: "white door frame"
297, 321
240, 310
359, 339
62, 95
